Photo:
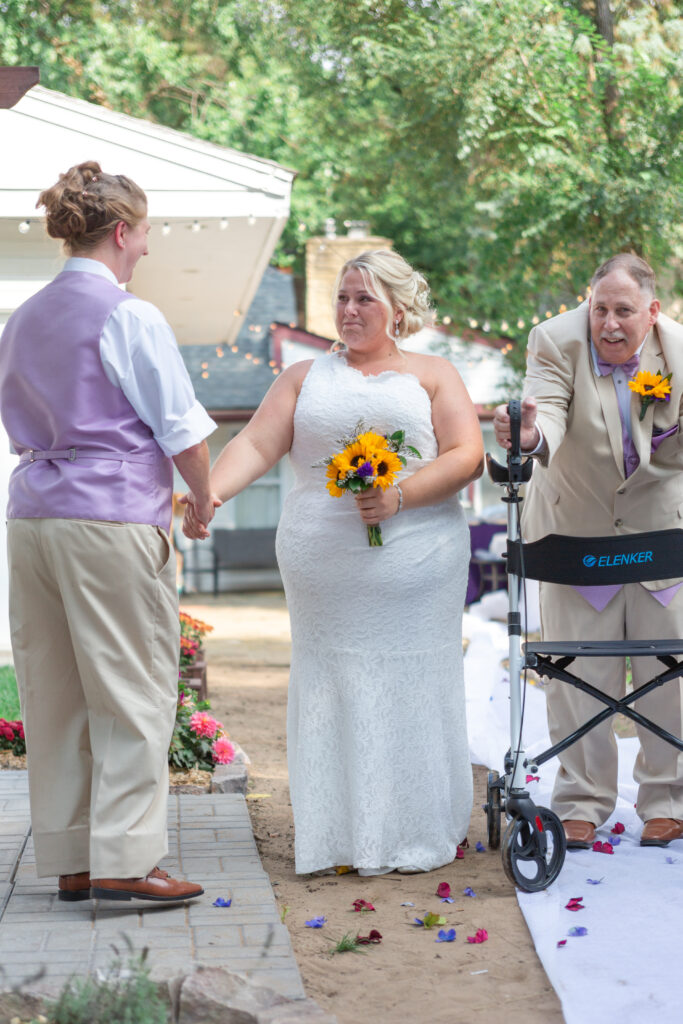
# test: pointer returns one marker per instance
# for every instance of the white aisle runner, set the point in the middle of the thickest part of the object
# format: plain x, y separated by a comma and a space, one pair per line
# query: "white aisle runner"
625, 967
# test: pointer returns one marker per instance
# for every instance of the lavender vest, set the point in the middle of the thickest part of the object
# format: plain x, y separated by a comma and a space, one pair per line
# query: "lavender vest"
58, 408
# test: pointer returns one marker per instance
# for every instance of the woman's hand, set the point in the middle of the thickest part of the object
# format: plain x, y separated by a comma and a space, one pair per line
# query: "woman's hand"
376, 505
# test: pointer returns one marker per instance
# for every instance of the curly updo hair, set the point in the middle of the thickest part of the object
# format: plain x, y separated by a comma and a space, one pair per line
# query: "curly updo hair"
86, 204
394, 282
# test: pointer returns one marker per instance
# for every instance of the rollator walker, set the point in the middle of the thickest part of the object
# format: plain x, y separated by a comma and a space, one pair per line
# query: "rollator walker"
534, 845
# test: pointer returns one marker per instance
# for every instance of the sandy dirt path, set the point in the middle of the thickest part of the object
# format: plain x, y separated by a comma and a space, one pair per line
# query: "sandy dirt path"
408, 977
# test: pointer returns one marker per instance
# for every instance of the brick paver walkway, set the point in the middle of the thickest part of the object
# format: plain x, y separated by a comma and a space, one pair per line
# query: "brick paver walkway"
210, 842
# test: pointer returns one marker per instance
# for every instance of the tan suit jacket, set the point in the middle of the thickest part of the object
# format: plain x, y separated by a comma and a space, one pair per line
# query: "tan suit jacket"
579, 487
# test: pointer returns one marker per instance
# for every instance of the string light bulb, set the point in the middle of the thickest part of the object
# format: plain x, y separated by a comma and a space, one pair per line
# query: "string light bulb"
24, 227
165, 229
224, 224
196, 226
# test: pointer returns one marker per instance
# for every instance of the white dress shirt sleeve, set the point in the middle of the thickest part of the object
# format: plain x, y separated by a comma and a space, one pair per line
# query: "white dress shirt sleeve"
140, 355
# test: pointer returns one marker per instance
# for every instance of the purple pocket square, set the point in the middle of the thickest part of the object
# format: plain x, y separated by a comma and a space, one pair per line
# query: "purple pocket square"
658, 438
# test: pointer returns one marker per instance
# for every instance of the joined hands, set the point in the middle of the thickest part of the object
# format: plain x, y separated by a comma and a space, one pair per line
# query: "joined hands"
198, 515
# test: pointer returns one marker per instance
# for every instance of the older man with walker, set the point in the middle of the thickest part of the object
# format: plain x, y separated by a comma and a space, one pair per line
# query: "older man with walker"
609, 462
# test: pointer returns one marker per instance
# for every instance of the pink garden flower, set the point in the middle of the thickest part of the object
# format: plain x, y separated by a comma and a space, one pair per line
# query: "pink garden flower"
223, 751
203, 724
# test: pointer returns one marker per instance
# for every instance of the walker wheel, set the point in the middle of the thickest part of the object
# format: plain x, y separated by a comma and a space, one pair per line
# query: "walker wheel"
493, 809
523, 862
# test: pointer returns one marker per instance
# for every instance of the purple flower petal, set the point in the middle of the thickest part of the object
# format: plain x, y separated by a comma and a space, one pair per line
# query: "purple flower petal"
594, 881
447, 899
221, 901
480, 848
316, 922
671, 860
446, 936
468, 892
577, 931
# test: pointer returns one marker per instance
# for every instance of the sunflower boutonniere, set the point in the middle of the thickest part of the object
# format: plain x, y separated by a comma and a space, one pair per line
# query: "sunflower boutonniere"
368, 460
652, 387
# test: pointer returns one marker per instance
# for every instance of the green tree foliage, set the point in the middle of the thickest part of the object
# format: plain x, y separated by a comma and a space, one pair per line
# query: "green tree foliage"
506, 146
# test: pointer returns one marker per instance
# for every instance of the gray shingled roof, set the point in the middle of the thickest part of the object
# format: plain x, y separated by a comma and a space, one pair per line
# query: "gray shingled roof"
233, 381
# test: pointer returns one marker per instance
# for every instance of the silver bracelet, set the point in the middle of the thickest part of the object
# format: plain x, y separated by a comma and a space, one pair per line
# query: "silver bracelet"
400, 499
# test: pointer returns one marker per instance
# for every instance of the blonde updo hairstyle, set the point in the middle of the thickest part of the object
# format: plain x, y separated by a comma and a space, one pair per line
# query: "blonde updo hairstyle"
86, 204
392, 280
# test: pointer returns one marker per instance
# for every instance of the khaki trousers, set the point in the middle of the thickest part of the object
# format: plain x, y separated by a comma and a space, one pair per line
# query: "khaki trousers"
95, 637
586, 783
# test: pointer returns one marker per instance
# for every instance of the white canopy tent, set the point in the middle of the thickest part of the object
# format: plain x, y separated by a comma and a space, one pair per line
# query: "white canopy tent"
216, 216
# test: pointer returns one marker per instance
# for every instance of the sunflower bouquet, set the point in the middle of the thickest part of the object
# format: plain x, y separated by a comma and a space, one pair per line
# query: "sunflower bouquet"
367, 460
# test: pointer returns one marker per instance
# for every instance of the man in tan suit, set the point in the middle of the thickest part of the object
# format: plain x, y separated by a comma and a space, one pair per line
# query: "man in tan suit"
603, 470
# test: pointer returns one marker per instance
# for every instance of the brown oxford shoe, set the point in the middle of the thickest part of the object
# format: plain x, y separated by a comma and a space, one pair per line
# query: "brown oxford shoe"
157, 886
580, 834
660, 831
74, 887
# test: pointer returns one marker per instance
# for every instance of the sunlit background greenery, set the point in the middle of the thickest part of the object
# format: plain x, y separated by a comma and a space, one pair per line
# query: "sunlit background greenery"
506, 146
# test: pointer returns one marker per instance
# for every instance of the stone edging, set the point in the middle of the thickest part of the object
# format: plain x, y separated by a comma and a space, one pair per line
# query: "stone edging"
209, 995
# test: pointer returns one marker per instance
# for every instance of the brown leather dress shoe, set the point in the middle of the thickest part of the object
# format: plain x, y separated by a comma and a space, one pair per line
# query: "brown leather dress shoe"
74, 887
157, 886
660, 831
580, 834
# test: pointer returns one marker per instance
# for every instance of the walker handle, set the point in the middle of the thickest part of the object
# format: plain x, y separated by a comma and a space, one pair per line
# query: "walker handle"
515, 413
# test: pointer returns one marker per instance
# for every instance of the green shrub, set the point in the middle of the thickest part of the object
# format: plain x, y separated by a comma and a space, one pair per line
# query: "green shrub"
9, 695
126, 995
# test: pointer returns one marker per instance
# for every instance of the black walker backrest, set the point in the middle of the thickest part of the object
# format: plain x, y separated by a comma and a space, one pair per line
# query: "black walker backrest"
596, 561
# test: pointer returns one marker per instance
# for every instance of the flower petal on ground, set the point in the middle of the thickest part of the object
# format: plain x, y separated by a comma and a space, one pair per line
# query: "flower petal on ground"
599, 847
444, 936
443, 889
617, 829
221, 901
460, 853
316, 922
480, 848
468, 892
577, 931
365, 940
362, 905
594, 881
575, 903
481, 936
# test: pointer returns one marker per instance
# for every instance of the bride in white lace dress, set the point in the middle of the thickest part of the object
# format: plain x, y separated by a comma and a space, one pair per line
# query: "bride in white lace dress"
379, 769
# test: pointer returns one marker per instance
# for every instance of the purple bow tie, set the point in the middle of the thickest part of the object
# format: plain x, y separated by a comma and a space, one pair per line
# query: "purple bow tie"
630, 366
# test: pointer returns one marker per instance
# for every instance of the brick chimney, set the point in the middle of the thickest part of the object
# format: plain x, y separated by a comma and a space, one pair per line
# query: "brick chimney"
324, 256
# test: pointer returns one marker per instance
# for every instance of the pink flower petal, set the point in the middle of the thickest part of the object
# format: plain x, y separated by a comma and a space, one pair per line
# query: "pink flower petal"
617, 828
443, 890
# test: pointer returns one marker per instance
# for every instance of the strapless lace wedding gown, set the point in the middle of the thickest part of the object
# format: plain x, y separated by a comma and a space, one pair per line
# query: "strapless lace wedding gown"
379, 768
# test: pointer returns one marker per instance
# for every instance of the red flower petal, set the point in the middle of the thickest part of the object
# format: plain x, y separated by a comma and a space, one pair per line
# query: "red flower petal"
359, 905
443, 890
617, 829
460, 854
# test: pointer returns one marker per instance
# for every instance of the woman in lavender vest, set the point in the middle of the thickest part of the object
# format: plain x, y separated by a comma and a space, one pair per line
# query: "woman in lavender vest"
97, 402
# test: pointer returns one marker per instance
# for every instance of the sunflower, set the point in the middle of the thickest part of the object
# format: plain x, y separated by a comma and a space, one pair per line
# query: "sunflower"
372, 440
362, 450
337, 470
387, 464
650, 385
